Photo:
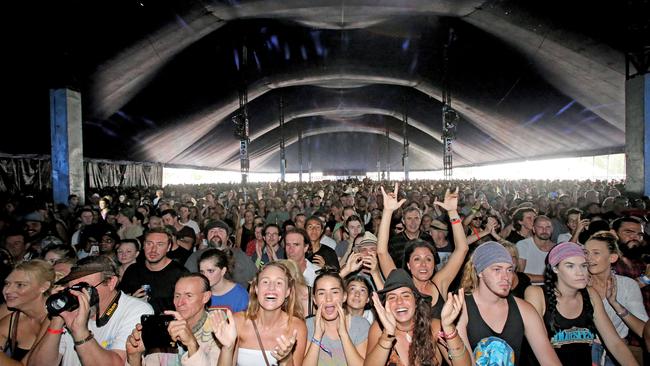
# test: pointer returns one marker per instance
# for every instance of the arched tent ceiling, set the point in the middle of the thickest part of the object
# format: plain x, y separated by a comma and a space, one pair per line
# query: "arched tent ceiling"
160, 80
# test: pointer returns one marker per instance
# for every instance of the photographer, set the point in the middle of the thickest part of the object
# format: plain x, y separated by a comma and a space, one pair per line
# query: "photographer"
189, 329
95, 331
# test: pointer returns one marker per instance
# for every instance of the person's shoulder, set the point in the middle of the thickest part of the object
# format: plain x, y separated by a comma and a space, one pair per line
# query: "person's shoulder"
359, 323
239, 289
134, 305
625, 281
298, 323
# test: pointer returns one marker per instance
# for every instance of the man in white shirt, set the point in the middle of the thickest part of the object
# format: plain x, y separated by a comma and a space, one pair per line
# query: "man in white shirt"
533, 250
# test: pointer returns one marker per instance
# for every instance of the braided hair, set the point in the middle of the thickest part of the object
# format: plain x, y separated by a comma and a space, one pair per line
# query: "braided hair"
551, 292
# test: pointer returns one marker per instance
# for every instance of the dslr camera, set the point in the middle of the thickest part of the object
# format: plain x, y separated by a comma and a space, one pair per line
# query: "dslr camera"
66, 301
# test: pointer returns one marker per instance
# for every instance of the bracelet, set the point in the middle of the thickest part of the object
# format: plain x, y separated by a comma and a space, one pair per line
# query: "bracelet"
623, 313
457, 356
452, 335
455, 221
454, 218
386, 348
90, 336
55, 331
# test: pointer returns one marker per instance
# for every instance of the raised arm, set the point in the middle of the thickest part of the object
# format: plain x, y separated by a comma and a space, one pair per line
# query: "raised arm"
607, 331
446, 275
390, 205
633, 299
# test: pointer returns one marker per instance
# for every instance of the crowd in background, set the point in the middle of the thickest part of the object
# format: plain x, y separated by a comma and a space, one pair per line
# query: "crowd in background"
335, 272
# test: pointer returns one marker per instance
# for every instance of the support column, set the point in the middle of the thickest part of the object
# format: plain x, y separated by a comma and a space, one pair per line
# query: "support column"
300, 155
637, 134
67, 145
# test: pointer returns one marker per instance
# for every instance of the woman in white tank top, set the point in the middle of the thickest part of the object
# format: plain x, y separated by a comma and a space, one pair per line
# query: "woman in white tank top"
272, 331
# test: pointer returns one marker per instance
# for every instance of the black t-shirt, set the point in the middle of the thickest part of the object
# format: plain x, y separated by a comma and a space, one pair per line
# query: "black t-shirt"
397, 246
179, 255
514, 237
328, 254
162, 283
246, 236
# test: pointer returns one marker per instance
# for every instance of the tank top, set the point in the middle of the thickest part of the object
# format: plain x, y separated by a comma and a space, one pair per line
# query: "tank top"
11, 346
572, 338
436, 309
512, 333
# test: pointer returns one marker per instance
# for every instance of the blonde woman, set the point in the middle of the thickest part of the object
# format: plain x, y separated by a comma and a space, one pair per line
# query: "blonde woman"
25, 290
272, 330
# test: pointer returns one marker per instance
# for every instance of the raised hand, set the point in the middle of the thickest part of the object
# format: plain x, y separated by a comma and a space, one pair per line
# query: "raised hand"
342, 321
77, 321
134, 344
284, 346
319, 261
453, 306
354, 263
180, 331
385, 316
611, 290
451, 201
224, 327
390, 199
319, 329
370, 264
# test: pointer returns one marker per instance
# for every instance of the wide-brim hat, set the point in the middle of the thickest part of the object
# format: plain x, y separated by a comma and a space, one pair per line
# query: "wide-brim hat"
396, 279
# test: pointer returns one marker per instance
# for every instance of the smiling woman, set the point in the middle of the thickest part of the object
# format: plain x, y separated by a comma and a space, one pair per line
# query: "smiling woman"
25, 291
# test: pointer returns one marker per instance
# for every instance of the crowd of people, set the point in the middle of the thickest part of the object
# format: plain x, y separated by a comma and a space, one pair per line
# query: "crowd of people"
350, 272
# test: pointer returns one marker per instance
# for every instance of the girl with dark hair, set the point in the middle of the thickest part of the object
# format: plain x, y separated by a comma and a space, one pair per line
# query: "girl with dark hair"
217, 266
573, 313
407, 333
336, 338
419, 257
358, 302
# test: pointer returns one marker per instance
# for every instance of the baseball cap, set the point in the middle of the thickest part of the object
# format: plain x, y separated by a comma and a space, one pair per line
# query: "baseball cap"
88, 266
34, 216
367, 239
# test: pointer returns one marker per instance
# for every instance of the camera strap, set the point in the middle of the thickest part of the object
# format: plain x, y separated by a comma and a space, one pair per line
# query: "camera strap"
110, 310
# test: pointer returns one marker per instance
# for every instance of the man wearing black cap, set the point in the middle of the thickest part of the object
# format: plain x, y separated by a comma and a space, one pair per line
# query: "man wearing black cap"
91, 335
154, 278
217, 234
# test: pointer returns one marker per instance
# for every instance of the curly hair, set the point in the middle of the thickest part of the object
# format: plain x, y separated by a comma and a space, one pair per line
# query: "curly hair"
423, 349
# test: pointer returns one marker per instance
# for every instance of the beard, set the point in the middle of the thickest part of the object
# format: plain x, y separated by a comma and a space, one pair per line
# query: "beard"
217, 243
634, 252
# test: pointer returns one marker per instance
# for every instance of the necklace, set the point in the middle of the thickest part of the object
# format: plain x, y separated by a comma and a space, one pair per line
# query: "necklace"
409, 338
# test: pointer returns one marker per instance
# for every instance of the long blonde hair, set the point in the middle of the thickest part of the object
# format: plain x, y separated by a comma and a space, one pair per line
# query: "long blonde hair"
470, 278
290, 305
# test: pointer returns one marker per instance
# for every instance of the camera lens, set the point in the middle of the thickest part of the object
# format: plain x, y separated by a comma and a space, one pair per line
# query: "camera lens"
60, 302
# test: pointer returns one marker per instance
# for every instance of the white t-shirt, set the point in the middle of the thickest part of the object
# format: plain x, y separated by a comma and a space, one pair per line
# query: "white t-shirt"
310, 273
193, 225
533, 255
111, 336
629, 295
327, 241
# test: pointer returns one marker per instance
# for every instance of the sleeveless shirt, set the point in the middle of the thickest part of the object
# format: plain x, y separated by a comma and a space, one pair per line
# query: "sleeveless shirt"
512, 333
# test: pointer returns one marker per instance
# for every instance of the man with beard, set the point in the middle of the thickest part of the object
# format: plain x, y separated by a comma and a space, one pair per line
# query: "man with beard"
154, 278
411, 221
630, 241
217, 234
491, 307
533, 250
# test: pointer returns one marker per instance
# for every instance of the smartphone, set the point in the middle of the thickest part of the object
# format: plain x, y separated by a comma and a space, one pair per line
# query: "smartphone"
94, 250
154, 331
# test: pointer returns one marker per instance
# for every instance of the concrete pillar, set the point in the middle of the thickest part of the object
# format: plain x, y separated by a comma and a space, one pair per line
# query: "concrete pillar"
637, 134
67, 145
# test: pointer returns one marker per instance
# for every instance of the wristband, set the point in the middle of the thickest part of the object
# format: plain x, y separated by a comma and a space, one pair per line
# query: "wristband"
623, 313
453, 334
55, 331
455, 221
80, 342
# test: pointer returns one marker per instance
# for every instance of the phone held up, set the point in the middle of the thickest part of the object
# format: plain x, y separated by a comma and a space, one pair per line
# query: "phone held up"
154, 332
